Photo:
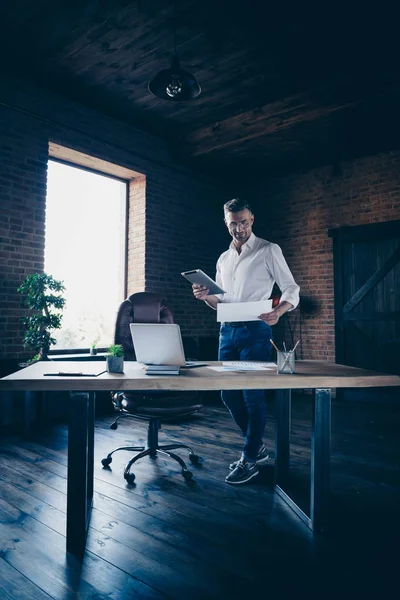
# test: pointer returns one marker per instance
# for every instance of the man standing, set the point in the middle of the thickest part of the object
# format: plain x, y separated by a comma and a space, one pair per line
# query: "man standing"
247, 272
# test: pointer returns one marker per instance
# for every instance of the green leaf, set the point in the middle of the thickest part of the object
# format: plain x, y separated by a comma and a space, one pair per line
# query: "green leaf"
116, 350
37, 289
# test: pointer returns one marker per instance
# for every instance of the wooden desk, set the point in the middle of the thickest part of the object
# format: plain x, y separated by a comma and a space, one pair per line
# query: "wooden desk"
316, 375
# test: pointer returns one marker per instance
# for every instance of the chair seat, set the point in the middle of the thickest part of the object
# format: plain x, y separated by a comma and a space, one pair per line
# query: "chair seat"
159, 405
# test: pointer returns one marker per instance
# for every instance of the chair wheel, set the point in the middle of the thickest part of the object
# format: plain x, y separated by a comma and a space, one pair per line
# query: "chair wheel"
194, 459
129, 477
114, 426
187, 475
106, 461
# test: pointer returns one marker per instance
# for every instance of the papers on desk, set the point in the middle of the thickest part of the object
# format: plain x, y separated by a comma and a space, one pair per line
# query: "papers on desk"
242, 311
232, 365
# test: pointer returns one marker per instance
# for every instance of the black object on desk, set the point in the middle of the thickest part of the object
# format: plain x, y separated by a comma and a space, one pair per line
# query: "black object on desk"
73, 374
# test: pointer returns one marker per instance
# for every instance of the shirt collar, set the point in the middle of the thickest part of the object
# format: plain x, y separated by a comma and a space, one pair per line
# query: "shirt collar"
250, 242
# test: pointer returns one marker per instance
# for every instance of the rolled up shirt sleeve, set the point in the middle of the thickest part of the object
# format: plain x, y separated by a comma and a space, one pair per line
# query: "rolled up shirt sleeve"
278, 267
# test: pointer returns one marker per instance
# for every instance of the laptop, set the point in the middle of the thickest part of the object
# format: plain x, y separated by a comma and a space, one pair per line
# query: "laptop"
160, 344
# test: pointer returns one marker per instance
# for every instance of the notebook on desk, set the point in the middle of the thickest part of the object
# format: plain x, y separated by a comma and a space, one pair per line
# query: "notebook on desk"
160, 344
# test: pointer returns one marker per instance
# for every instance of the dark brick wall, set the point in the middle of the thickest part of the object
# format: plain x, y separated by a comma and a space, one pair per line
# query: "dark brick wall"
297, 212
176, 216
181, 210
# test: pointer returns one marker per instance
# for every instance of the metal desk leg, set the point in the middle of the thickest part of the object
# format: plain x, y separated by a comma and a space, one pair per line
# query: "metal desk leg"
320, 457
282, 435
90, 471
80, 470
6, 408
41, 412
27, 414
43, 419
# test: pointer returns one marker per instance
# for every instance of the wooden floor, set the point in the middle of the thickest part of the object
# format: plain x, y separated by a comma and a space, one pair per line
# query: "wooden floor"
167, 538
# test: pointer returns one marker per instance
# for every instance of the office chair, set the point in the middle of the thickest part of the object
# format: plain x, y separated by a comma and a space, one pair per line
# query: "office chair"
146, 307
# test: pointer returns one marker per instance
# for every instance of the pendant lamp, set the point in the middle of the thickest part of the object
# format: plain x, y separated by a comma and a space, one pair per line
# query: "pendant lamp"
174, 83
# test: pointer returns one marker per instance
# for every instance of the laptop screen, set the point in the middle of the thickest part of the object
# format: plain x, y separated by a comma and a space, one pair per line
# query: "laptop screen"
158, 344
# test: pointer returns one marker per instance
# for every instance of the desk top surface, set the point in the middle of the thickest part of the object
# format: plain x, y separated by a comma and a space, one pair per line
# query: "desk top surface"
309, 374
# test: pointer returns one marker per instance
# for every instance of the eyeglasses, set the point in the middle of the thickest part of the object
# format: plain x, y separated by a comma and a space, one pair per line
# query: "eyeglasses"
242, 224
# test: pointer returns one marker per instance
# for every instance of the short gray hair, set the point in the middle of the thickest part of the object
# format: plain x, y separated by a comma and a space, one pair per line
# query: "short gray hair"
236, 205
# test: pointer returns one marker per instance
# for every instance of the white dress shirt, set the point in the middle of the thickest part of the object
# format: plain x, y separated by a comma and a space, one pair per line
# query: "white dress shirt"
250, 275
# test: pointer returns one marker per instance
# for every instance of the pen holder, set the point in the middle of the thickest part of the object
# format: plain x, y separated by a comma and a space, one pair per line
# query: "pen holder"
285, 362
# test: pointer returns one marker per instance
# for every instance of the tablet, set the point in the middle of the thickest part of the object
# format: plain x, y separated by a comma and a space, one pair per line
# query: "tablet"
198, 276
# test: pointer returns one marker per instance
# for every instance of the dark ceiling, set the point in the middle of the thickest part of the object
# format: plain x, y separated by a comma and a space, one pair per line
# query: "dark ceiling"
285, 86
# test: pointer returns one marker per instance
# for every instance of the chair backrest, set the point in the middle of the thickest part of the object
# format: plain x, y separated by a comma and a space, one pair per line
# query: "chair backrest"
143, 307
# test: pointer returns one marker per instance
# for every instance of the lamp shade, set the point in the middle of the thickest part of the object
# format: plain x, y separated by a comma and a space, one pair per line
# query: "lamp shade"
174, 84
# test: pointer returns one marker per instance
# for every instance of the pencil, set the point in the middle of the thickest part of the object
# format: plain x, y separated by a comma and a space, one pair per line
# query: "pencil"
276, 348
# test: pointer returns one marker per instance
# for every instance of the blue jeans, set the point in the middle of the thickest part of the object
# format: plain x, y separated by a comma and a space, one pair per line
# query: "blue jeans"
247, 407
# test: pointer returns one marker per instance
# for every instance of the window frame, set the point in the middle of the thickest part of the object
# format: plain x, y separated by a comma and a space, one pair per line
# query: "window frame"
66, 351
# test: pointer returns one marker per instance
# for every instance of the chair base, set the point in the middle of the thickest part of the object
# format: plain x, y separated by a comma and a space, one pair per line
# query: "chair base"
152, 449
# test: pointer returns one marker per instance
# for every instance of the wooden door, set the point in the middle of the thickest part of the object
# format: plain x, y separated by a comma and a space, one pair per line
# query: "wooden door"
367, 295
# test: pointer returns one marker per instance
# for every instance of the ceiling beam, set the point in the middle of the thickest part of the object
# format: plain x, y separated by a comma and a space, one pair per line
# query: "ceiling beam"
271, 118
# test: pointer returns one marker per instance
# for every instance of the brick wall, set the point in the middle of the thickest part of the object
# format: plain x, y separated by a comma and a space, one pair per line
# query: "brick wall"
297, 211
181, 210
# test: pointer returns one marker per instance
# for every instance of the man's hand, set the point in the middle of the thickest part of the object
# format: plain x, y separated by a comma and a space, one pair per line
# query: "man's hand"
270, 318
200, 292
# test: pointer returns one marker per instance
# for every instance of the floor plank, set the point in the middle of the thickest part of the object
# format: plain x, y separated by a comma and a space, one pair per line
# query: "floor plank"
167, 538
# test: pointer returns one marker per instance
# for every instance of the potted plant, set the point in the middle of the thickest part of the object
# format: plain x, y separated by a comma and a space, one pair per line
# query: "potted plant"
41, 298
93, 346
115, 359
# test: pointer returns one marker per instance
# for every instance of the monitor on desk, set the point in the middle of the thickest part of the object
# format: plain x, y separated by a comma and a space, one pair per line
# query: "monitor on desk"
159, 344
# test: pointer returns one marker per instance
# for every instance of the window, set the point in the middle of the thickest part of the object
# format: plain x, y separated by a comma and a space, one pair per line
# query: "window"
85, 247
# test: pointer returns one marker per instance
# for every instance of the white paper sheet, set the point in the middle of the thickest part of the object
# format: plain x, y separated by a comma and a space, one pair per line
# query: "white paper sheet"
244, 366
242, 311
238, 369
251, 364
